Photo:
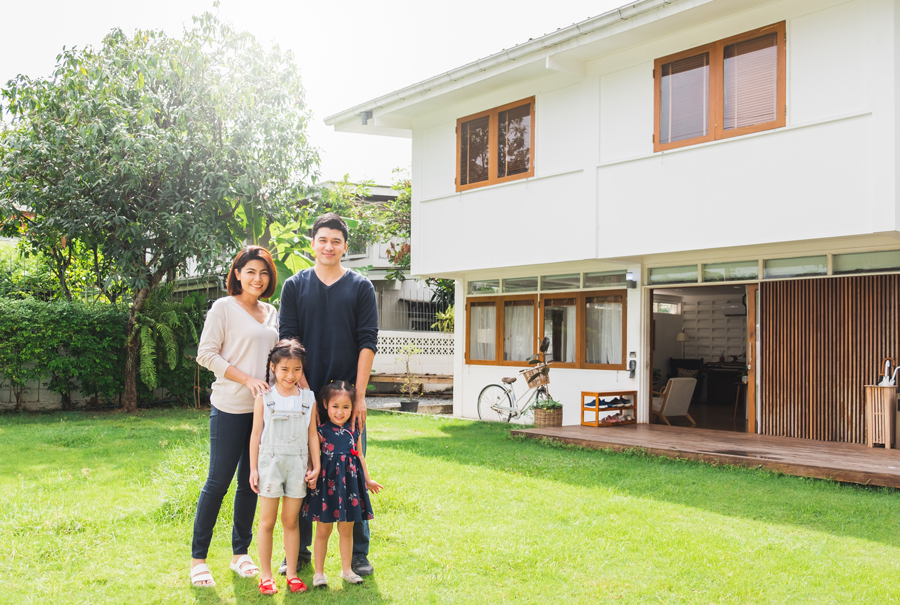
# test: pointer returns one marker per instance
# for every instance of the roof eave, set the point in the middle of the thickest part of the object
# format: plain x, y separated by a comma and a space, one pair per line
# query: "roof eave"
380, 122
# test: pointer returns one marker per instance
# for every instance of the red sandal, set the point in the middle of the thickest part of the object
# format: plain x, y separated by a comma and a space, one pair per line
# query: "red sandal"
296, 585
267, 587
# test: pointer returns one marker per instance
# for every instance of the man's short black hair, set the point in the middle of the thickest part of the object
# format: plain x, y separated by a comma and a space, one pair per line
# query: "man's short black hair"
331, 220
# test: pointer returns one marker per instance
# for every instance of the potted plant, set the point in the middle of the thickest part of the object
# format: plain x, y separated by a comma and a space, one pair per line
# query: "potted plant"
410, 385
547, 412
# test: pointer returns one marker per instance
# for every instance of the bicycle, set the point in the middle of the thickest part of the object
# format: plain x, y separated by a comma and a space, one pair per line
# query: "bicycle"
498, 402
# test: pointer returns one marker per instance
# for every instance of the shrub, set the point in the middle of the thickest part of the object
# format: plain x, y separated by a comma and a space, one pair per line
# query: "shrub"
79, 347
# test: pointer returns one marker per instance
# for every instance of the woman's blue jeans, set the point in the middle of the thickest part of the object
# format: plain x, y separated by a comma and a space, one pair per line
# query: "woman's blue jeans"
229, 450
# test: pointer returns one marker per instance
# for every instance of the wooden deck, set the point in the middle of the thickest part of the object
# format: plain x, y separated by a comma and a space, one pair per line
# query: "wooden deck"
846, 462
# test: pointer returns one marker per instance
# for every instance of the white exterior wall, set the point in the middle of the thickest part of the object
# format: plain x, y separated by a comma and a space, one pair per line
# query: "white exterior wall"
601, 198
831, 172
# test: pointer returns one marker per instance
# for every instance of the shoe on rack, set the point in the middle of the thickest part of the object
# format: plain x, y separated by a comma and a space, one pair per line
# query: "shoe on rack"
361, 566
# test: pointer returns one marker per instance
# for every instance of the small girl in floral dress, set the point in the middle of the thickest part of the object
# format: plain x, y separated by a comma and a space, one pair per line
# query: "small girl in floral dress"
341, 495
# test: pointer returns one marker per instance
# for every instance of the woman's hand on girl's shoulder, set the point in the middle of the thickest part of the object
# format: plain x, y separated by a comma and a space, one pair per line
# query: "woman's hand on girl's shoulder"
256, 386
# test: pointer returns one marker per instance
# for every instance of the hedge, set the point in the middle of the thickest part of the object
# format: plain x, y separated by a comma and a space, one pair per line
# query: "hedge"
72, 347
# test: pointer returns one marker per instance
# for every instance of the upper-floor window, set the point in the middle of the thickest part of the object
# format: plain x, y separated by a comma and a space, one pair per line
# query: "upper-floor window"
728, 88
495, 146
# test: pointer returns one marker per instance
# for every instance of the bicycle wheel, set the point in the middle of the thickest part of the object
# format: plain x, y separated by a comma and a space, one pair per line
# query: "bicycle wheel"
494, 396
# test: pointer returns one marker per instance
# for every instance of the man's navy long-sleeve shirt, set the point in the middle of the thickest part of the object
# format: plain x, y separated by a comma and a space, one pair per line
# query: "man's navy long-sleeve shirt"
334, 323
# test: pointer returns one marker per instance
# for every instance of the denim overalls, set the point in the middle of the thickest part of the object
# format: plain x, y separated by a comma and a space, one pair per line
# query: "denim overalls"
283, 446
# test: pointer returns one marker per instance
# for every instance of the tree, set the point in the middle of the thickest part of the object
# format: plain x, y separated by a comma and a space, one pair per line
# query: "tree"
154, 150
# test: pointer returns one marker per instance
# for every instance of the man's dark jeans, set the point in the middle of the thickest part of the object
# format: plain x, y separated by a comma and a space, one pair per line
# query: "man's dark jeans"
229, 450
360, 529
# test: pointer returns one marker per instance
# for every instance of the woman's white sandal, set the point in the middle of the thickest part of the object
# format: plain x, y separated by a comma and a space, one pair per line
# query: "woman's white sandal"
200, 573
243, 569
319, 579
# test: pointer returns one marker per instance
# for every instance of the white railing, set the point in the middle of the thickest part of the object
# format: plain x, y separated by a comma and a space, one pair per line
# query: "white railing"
436, 355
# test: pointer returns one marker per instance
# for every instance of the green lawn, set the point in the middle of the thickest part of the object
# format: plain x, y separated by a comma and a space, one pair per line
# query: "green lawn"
98, 508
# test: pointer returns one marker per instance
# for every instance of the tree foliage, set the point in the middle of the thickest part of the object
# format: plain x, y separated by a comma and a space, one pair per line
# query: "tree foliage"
154, 150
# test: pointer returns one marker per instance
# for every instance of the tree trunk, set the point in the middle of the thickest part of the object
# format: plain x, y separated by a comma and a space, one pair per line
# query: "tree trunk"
133, 350
132, 355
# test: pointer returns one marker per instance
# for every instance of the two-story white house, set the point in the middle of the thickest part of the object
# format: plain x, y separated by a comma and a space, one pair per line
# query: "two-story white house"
702, 187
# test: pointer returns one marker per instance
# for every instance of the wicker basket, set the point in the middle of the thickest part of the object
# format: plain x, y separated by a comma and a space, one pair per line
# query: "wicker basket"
536, 377
544, 418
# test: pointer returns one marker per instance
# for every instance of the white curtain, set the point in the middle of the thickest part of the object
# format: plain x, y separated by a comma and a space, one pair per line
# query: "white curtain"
483, 335
603, 319
569, 334
518, 332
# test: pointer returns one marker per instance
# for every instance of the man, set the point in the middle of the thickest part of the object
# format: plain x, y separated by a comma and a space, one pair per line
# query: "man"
332, 311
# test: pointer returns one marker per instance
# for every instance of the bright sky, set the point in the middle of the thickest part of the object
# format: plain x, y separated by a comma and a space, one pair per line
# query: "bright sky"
349, 51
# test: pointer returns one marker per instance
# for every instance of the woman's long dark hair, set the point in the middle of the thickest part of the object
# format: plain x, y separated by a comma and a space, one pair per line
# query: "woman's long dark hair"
286, 348
329, 392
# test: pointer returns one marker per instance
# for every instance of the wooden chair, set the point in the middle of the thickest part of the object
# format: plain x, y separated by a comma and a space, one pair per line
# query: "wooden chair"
674, 399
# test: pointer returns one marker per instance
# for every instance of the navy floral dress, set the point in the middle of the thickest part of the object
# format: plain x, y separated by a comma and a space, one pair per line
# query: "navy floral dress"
340, 493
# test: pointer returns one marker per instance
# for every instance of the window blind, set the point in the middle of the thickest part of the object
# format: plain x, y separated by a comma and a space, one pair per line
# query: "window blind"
684, 102
751, 82
514, 141
474, 151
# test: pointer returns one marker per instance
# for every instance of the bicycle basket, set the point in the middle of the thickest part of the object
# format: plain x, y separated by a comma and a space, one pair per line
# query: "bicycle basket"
536, 377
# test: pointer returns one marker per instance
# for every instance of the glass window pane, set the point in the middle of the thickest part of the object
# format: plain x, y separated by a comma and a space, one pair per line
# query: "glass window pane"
520, 284
561, 282
485, 286
603, 330
474, 152
673, 275
514, 141
518, 330
747, 269
865, 262
483, 331
751, 82
559, 327
600, 279
684, 99
791, 267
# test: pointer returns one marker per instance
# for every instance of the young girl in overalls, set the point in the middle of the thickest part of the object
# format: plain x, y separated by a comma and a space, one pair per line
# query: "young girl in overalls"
284, 458
342, 493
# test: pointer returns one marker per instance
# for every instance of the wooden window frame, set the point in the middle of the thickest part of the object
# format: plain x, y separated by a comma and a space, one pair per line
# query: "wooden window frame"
493, 127
540, 300
499, 317
580, 322
717, 89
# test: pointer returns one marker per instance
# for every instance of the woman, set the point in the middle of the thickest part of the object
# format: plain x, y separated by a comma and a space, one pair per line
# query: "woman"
238, 334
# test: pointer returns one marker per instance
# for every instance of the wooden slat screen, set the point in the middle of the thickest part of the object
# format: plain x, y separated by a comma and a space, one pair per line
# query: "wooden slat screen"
751, 82
474, 150
514, 141
822, 340
684, 111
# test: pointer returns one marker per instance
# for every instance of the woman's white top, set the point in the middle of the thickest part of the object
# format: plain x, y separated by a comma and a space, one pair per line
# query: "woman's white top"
231, 336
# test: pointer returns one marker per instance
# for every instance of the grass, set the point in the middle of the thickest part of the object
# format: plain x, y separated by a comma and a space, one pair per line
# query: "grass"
98, 508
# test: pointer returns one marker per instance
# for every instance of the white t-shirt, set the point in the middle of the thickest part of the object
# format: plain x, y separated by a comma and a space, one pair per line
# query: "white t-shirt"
231, 336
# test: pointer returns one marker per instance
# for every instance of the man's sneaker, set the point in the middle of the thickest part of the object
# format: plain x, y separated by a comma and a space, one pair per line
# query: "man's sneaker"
302, 561
361, 566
